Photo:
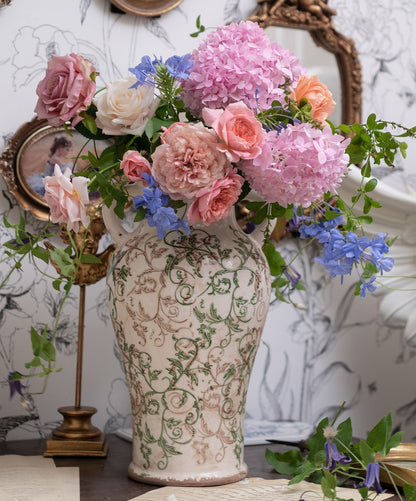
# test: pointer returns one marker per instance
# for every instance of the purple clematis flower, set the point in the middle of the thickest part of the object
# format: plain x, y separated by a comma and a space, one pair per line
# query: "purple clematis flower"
372, 478
333, 456
15, 383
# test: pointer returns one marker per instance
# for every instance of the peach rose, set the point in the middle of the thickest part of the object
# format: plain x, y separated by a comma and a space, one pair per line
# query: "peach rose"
66, 90
67, 198
317, 94
237, 126
188, 160
215, 202
122, 109
134, 165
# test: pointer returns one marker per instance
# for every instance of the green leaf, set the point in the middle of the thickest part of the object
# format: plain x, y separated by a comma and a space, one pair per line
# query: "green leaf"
90, 258
370, 185
65, 263
367, 453
378, 437
286, 463
329, 484
41, 253
41, 347
274, 258
409, 492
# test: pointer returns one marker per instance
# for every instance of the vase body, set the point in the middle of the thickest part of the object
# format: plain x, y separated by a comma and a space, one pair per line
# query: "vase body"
188, 314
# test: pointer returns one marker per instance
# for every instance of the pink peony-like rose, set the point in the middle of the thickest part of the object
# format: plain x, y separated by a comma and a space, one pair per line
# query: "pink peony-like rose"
240, 130
238, 62
134, 165
188, 160
298, 165
66, 90
67, 198
215, 202
317, 94
123, 109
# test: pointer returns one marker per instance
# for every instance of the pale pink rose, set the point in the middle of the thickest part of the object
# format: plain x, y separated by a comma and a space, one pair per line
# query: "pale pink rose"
238, 127
317, 94
215, 202
188, 160
67, 199
66, 90
134, 165
122, 109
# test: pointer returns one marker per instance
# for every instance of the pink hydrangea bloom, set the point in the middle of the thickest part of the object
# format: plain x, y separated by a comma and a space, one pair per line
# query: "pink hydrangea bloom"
238, 62
215, 202
298, 165
67, 198
188, 160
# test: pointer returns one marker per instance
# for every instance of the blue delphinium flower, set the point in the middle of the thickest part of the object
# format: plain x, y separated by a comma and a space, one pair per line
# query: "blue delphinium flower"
372, 478
157, 212
333, 456
15, 385
179, 66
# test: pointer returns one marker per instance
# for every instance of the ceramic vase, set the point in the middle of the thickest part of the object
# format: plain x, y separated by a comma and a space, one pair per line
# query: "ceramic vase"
188, 313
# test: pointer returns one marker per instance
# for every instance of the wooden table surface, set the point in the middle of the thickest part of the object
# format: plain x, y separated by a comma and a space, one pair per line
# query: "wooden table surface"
105, 479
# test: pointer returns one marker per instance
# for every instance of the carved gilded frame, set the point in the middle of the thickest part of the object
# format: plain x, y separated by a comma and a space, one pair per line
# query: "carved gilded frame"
315, 16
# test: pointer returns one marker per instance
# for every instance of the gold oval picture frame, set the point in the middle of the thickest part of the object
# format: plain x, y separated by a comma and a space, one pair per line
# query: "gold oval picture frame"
150, 8
32, 153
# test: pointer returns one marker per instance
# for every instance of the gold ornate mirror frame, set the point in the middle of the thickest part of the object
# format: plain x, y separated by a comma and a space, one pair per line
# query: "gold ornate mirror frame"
315, 16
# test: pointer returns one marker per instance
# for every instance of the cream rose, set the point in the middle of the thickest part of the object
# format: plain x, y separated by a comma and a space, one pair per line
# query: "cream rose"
122, 109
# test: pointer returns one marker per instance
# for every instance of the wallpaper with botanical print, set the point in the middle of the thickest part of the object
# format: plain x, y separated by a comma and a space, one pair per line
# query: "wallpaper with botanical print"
334, 347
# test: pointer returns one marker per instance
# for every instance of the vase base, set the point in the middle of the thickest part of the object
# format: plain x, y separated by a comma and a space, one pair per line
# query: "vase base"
203, 479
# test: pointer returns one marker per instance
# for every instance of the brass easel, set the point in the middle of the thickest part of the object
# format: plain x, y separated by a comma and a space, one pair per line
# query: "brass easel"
76, 436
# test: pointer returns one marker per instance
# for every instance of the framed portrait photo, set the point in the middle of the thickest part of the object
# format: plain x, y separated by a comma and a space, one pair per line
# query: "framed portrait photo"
32, 154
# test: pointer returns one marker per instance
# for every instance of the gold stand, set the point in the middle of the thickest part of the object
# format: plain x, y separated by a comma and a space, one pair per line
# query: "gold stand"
76, 436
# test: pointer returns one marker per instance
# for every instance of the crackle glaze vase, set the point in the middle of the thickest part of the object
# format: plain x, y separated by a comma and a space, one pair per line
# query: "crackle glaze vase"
188, 314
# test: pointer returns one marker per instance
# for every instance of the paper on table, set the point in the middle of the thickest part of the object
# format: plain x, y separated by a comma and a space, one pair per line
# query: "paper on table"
251, 490
35, 478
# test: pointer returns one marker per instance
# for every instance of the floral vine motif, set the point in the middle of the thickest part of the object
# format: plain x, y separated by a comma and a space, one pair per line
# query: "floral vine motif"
197, 393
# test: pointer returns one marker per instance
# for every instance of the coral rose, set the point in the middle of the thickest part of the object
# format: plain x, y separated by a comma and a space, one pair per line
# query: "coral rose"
188, 160
318, 96
134, 165
237, 126
214, 203
66, 90
67, 199
122, 109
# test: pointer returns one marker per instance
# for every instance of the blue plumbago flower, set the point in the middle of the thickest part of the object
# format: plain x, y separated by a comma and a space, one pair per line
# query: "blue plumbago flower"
179, 66
15, 384
157, 212
367, 286
292, 275
372, 478
143, 70
333, 456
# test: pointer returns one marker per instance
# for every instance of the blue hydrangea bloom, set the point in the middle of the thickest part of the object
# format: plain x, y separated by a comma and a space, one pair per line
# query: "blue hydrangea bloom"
179, 66
367, 286
372, 478
157, 212
143, 70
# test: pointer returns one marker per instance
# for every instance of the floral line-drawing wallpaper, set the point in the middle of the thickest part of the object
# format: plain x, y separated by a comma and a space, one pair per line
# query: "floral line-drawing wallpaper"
335, 347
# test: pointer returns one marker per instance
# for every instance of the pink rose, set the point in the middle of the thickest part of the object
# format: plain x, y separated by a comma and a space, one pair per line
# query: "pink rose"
317, 94
188, 160
237, 126
66, 90
134, 165
214, 203
67, 199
